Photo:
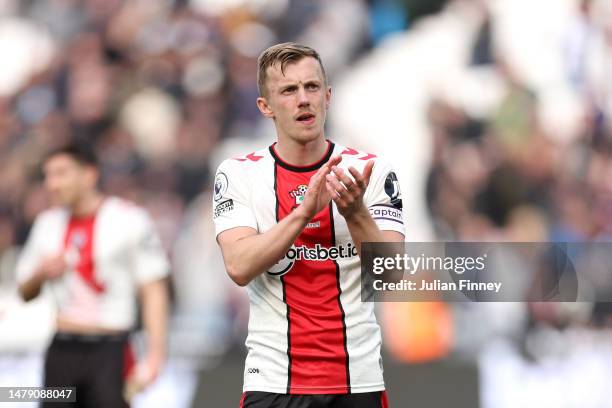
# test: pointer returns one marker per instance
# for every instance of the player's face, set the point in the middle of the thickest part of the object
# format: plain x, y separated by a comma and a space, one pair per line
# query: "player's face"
66, 179
297, 100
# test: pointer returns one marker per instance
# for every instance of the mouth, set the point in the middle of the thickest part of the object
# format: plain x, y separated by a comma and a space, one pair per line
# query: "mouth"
306, 118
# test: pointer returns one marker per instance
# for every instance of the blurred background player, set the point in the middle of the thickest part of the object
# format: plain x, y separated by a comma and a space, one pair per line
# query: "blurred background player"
312, 342
97, 255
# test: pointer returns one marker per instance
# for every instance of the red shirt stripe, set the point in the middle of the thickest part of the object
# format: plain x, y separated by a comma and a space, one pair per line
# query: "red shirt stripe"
80, 238
317, 334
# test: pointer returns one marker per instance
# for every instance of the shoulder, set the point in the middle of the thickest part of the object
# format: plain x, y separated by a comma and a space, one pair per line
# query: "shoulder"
48, 223
51, 215
238, 170
124, 211
244, 162
359, 158
383, 173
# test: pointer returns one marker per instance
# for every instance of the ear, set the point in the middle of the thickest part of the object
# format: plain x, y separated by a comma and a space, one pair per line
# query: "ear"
328, 95
264, 108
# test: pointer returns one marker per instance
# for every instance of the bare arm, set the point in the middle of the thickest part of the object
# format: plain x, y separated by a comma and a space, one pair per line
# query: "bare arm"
30, 289
49, 268
363, 229
154, 298
247, 254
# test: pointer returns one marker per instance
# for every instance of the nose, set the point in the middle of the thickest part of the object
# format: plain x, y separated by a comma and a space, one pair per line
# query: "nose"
302, 97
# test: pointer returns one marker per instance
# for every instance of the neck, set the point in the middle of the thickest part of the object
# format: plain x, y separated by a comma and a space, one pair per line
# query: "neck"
301, 154
87, 205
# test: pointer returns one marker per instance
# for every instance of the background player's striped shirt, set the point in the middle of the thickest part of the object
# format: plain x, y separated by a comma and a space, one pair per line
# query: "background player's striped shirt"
109, 254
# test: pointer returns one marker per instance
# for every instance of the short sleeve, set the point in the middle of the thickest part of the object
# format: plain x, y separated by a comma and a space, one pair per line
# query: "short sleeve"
149, 257
231, 199
31, 253
384, 198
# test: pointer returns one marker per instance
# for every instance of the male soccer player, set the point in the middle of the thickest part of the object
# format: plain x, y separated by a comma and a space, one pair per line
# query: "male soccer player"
96, 254
290, 220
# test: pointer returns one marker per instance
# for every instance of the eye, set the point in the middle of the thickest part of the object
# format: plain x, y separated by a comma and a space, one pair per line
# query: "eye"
289, 90
312, 86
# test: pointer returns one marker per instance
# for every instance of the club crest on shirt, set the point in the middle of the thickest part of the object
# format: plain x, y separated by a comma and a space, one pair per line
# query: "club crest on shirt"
78, 239
299, 193
221, 184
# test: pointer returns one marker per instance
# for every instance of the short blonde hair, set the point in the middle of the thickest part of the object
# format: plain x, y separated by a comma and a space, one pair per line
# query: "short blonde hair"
284, 53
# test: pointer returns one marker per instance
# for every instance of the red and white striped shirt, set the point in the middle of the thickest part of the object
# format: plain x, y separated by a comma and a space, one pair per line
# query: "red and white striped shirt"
309, 332
109, 255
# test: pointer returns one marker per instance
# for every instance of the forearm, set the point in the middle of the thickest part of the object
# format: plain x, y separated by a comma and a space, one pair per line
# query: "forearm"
30, 289
250, 256
155, 317
363, 229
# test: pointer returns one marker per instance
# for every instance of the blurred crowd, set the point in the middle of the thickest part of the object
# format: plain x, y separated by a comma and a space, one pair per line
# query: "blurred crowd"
513, 175
531, 163
534, 163
153, 85
497, 116
496, 113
